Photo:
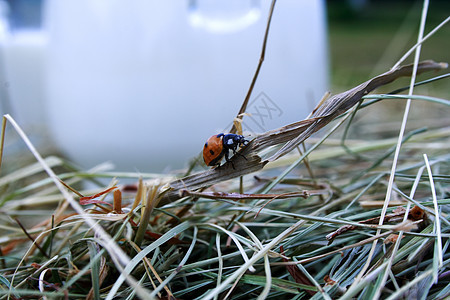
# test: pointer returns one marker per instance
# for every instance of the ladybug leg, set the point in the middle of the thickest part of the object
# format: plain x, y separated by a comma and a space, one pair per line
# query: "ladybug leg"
237, 153
228, 160
244, 143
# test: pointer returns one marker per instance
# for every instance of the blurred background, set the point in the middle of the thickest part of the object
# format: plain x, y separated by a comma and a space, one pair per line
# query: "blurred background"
144, 83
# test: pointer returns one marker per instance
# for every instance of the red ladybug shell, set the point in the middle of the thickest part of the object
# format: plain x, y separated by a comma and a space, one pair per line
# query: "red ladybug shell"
213, 150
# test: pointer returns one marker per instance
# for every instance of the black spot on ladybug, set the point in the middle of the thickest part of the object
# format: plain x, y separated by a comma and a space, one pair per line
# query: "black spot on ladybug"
206, 145
212, 152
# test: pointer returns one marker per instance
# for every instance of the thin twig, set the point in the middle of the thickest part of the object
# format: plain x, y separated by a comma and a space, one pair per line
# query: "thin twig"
31, 238
258, 68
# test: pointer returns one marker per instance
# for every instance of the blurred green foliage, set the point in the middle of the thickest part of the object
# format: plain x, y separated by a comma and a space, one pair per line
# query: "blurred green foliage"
367, 38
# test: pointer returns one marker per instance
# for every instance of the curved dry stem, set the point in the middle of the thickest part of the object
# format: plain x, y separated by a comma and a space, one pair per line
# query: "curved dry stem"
292, 134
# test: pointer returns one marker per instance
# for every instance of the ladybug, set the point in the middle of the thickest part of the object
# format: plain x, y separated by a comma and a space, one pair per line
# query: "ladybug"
218, 146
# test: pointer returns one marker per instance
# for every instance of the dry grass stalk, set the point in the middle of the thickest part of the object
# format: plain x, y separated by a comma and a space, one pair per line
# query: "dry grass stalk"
293, 134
